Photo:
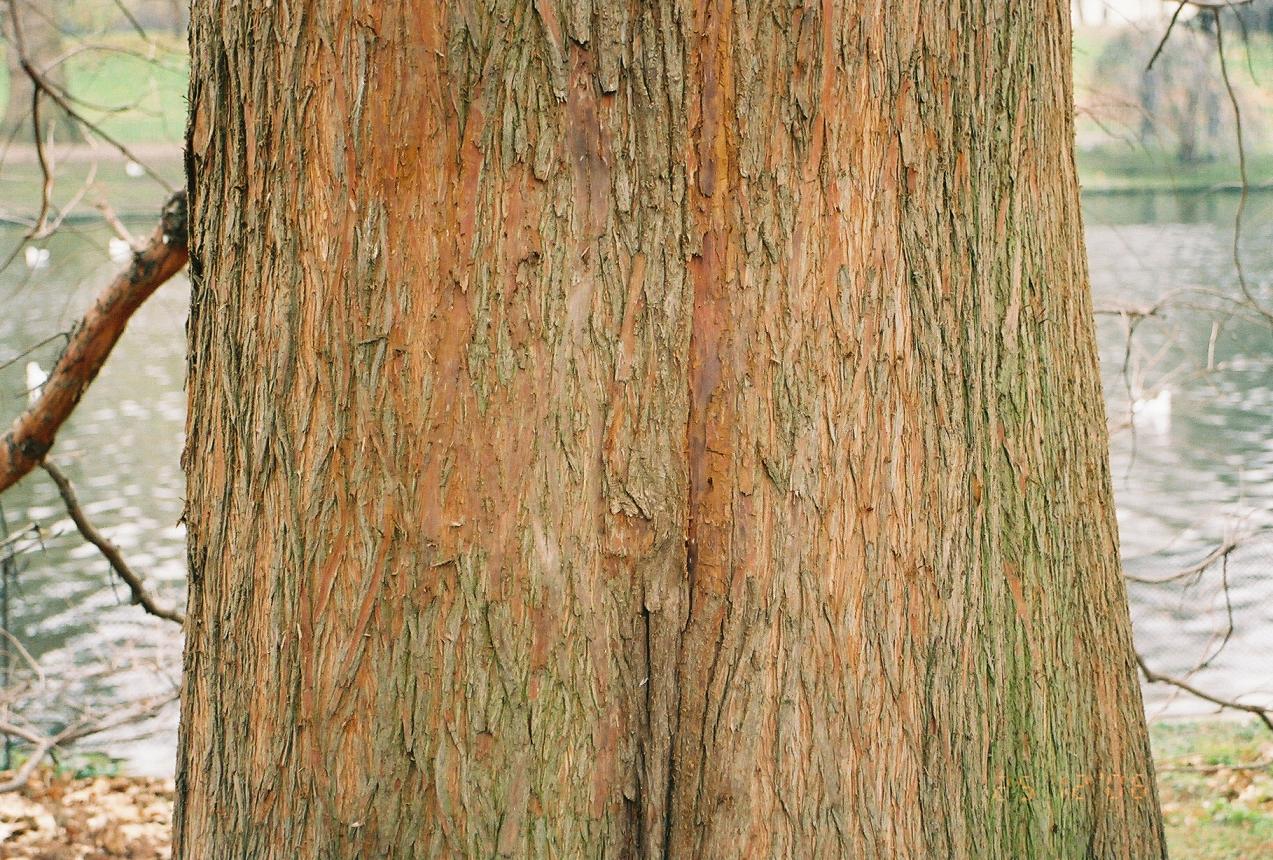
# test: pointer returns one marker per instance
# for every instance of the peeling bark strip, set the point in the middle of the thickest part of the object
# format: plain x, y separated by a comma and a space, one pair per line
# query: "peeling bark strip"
658, 429
31, 436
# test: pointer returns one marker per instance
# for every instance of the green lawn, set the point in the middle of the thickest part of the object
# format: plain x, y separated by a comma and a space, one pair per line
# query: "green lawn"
1214, 808
1125, 168
135, 89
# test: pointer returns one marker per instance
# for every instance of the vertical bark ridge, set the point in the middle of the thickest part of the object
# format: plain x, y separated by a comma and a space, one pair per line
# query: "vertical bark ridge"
647, 429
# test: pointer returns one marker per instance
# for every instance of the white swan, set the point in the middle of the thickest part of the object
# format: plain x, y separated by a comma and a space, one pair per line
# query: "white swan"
36, 377
120, 250
36, 258
1153, 412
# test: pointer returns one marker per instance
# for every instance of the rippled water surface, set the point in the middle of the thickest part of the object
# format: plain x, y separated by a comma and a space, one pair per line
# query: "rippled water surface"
1198, 474
121, 448
1187, 478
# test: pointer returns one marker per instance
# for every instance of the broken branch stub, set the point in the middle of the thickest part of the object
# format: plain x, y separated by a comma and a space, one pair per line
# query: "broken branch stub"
31, 436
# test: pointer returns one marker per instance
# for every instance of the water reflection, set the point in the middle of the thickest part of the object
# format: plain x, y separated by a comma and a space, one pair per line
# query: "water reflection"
1204, 476
121, 449
1183, 485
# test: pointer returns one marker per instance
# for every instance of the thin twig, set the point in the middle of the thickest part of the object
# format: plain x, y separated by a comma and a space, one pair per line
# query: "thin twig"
132, 19
1246, 43
97, 130
42, 745
46, 172
1218, 554
25, 655
42, 84
31, 349
69, 206
1162, 43
149, 57
134, 582
1265, 715
108, 214
21, 535
1246, 184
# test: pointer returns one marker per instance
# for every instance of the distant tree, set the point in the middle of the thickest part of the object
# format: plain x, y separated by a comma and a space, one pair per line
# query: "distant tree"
44, 45
1255, 16
1178, 106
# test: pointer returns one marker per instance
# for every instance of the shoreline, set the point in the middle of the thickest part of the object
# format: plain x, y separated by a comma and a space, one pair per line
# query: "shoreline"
88, 153
1135, 177
90, 215
1115, 189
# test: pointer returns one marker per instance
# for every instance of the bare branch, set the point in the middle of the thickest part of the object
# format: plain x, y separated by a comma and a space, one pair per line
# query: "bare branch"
40, 747
134, 582
24, 654
1265, 715
1246, 184
1220, 553
108, 213
32, 434
132, 19
80, 729
42, 85
33, 348
46, 171
1167, 34
19, 536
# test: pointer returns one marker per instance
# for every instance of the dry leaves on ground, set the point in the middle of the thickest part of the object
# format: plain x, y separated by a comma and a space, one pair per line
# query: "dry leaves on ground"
56, 818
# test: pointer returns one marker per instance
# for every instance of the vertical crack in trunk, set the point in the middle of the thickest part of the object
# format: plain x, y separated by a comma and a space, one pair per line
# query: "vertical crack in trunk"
708, 448
814, 299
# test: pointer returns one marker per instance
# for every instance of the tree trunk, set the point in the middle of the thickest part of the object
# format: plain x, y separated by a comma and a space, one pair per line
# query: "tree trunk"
648, 430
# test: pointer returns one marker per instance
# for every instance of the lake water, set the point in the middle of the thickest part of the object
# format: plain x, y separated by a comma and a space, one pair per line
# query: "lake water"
1199, 474
121, 449
1186, 478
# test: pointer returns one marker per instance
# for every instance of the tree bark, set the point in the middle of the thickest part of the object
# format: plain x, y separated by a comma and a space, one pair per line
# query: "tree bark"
658, 430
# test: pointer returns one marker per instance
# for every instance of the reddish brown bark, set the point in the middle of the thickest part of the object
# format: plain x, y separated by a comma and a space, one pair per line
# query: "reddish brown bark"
653, 429
32, 434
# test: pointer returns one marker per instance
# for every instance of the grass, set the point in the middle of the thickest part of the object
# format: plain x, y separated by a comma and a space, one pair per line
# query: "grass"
1119, 168
134, 89
141, 98
1213, 807
1108, 121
